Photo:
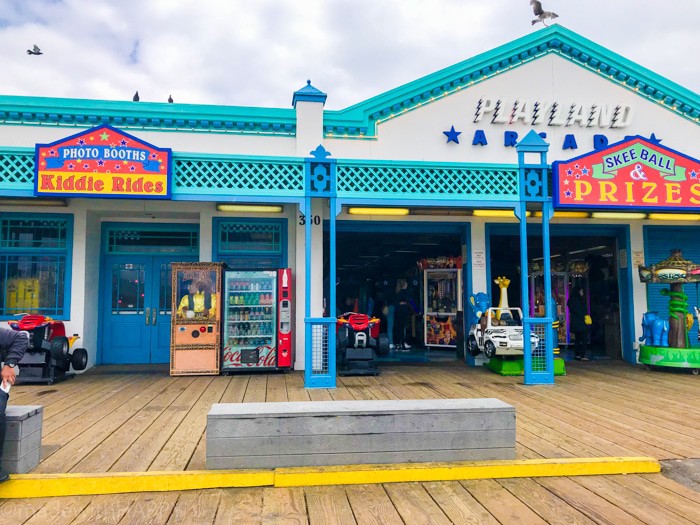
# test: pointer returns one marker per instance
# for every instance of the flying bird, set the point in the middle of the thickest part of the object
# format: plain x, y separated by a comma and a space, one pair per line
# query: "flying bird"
540, 13
34, 51
170, 99
136, 97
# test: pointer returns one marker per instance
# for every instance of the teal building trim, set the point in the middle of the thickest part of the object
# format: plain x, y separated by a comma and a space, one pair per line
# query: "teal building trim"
146, 116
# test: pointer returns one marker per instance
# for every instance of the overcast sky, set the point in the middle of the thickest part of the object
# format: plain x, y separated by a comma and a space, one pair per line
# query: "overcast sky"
258, 52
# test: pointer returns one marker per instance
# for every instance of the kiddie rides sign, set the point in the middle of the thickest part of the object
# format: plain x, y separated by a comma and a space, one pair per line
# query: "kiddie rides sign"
102, 162
634, 173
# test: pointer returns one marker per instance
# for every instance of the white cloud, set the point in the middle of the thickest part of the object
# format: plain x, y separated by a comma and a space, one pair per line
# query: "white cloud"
258, 52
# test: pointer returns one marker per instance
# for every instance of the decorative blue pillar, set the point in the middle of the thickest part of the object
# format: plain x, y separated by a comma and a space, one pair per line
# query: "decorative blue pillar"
533, 177
319, 183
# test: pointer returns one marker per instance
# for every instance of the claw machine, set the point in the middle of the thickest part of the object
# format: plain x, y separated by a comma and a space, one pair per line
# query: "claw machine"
442, 297
257, 320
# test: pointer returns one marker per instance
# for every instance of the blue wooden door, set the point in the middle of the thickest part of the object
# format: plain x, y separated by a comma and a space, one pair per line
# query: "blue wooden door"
136, 307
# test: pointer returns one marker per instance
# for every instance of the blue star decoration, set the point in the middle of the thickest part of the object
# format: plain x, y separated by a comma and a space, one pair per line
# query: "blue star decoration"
452, 135
654, 140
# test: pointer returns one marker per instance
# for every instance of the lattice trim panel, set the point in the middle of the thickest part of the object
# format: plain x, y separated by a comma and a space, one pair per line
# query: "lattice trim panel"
501, 183
231, 176
201, 176
16, 170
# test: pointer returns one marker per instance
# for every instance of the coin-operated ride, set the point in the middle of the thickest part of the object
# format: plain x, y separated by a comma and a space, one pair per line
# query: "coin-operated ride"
358, 343
50, 353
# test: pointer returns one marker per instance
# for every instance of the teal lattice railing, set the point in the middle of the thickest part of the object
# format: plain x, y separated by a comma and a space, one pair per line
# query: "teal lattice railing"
251, 176
200, 176
223, 177
16, 170
431, 181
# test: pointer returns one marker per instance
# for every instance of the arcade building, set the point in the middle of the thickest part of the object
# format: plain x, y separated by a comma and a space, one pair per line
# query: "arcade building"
99, 196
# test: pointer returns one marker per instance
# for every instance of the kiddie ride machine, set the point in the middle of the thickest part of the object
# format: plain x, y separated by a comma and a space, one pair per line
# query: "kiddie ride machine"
50, 353
666, 343
358, 342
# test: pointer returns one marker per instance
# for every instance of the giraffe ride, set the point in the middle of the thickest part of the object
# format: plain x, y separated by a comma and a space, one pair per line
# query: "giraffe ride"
503, 283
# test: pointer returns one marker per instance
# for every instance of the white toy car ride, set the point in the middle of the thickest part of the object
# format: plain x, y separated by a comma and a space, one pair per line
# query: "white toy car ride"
499, 337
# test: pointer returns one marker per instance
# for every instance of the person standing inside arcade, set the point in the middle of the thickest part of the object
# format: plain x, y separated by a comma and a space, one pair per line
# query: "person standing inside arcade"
13, 344
403, 314
577, 319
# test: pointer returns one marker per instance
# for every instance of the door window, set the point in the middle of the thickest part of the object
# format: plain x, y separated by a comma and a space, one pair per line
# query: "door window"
128, 288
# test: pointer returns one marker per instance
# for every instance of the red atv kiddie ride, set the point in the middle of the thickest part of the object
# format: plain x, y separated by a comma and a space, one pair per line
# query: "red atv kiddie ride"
49, 356
358, 340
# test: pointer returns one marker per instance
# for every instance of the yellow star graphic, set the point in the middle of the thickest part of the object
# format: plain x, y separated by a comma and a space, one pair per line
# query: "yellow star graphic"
104, 136
125, 162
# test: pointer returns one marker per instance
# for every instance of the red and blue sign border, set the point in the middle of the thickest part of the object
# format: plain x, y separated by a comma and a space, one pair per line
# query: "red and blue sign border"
168, 171
607, 150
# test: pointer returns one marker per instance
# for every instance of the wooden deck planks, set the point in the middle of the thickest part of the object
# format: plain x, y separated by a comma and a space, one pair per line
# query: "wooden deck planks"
195, 507
328, 506
372, 505
148, 420
503, 505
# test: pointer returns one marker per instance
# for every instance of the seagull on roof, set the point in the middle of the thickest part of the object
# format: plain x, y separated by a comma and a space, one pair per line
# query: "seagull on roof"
170, 99
136, 97
34, 51
540, 13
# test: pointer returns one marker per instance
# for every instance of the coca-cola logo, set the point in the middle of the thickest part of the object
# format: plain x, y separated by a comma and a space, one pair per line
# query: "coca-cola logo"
267, 357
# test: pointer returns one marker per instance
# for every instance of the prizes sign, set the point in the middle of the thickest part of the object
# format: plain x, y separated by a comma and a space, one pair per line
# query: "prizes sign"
633, 174
102, 162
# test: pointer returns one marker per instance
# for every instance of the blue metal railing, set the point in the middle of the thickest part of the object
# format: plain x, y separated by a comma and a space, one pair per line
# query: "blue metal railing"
320, 346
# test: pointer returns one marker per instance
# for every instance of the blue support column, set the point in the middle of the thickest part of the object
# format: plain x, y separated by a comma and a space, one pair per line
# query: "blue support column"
533, 177
320, 178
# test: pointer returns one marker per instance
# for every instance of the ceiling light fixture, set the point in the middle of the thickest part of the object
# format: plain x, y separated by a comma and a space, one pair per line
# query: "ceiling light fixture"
21, 201
618, 216
566, 214
497, 213
674, 216
249, 208
378, 211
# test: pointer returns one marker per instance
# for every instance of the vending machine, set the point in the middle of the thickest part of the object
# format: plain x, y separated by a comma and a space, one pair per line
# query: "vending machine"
257, 322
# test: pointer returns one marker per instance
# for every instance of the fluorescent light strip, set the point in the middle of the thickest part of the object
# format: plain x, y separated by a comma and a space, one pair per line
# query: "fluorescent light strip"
618, 216
567, 214
249, 208
674, 216
497, 213
378, 211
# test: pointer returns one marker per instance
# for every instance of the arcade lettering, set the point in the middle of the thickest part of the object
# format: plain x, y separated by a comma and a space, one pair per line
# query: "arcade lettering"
646, 193
103, 153
552, 113
637, 173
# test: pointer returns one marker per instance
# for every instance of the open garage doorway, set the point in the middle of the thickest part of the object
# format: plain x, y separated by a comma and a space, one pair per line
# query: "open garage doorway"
371, 258
587, 257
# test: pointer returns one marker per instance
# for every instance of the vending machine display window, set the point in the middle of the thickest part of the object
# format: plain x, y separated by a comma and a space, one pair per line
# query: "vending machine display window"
257, 320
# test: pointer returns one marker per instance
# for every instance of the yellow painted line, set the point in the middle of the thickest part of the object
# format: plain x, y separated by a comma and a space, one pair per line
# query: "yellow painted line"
43, 485
46, 485
527, 468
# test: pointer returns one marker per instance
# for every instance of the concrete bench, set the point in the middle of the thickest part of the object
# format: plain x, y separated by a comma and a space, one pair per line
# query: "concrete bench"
270, 435
22, 450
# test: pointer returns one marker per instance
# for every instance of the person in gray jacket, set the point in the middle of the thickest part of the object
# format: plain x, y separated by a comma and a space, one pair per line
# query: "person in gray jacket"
13, 344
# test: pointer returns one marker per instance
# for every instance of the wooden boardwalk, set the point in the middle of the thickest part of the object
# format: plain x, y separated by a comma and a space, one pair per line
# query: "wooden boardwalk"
139, 419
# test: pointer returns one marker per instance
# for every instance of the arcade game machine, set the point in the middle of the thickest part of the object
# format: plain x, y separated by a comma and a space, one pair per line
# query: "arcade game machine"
442, 297
257, 320
195, 343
